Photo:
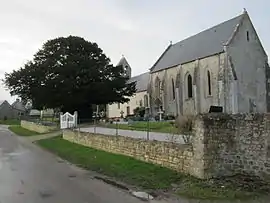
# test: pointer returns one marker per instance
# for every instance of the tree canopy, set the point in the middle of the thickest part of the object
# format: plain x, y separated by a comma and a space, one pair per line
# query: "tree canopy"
69, 73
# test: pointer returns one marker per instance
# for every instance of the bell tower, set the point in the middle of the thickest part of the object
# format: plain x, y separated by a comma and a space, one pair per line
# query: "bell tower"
127, 69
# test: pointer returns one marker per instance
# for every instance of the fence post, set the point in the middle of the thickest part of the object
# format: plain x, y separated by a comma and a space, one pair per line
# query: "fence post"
95, 126
148, 126
116, 128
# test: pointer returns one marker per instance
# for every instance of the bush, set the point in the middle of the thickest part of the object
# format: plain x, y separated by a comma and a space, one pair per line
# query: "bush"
169, 117
139, 111
184, 123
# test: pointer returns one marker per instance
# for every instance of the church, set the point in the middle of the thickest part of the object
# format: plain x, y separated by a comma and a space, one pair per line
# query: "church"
225, 66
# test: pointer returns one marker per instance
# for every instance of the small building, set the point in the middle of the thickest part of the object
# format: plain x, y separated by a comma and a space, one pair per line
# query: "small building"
43, 113
18, 108
6, 110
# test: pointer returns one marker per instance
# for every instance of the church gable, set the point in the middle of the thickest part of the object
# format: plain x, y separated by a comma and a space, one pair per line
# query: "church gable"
246, 32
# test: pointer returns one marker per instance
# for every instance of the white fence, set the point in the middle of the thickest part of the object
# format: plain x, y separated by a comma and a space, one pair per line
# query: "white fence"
68, 120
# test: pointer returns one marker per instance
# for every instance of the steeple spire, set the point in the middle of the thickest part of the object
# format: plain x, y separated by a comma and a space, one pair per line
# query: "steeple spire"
127, 69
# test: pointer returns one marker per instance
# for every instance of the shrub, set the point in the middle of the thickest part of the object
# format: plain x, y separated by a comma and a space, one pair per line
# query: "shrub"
169, 117
184, 123
139, 111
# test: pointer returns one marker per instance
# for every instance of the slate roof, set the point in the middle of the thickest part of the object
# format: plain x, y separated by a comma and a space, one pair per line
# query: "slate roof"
18, 105
141, 81
122, 61
203, 44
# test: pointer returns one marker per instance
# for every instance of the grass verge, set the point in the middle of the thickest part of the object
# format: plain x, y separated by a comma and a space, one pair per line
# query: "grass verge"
163, 127
10, 122
21, 131
145, 175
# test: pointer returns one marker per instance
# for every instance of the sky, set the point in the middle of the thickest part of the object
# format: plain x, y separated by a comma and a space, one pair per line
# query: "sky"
138, 29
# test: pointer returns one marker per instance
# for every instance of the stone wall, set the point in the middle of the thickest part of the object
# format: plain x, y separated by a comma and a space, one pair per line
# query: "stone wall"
36, 127
222, 145
170, 155
234, 144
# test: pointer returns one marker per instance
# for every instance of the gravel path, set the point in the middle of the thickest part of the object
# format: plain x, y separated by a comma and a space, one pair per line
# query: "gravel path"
166, 137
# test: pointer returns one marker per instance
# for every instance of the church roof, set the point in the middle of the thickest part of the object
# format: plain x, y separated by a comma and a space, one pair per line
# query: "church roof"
122, 61
203, 44
141, 81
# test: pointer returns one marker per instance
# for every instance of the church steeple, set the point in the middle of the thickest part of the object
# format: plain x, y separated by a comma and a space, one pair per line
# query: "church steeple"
123, 62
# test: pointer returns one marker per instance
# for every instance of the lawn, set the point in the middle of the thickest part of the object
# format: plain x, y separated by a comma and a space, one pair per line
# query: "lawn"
145, 175
21, 131
163, 126
10, 122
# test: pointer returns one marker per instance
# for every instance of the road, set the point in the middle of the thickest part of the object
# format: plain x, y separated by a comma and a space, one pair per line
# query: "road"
29, 174
165, 137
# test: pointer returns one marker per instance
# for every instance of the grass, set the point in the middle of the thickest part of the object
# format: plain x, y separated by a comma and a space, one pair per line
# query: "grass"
145, 175
21, 131
10, 122
163, 127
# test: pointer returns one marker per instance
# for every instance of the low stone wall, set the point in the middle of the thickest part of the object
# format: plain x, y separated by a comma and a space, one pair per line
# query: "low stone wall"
222, 145
36, 127
234, 144
170, 155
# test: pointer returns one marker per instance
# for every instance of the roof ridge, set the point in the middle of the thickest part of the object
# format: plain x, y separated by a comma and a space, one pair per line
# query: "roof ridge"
139, 74
205, 43
161, 56
234, 18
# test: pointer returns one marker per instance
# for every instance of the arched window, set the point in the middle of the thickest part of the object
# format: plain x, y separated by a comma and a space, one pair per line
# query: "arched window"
209, 83
141, 104
189, 86
145, 101
173, 90
158, 87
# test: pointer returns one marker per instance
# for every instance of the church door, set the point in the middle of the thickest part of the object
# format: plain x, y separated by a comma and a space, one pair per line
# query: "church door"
128, 110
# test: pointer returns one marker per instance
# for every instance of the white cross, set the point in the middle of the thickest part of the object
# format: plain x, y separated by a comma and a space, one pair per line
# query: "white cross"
160, 114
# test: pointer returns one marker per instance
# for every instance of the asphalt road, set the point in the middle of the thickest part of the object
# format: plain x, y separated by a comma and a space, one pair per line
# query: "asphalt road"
29, 174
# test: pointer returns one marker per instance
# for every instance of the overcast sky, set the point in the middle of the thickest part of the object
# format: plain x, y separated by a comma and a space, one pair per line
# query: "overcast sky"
138, 29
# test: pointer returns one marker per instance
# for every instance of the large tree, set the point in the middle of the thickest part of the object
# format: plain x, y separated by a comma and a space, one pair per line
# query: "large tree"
71, 74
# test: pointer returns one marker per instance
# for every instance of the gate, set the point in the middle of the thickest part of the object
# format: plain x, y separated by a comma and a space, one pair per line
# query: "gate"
68, 120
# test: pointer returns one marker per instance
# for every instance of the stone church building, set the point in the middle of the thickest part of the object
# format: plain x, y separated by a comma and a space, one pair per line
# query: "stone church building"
225, 66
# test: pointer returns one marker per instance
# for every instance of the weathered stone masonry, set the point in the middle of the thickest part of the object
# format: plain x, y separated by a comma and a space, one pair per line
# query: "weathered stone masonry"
222, 145
177, 157
235, 144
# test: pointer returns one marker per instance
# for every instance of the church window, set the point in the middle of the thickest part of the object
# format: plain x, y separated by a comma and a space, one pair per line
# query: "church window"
128, 110
173, 90
209, 83
118, 105
141, 104
158, 87
189, 86
247, 36
145, 101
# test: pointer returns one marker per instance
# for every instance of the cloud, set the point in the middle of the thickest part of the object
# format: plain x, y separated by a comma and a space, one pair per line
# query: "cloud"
139, 29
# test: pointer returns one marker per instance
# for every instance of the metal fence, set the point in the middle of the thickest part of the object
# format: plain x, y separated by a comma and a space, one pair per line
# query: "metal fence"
165, 131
